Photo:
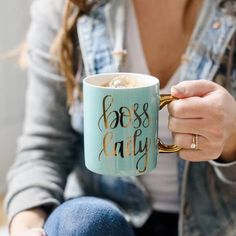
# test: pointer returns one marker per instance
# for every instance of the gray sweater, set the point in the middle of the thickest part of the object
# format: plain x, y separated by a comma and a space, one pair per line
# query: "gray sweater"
45, 153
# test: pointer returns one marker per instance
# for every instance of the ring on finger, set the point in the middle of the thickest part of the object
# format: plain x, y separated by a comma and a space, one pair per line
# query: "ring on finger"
194, 144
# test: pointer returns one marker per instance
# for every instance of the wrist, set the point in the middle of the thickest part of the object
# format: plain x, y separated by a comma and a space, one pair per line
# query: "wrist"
228, 154
227, 157
229, 151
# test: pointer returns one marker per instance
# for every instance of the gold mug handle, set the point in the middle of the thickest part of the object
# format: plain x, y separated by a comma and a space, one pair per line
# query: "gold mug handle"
165, 99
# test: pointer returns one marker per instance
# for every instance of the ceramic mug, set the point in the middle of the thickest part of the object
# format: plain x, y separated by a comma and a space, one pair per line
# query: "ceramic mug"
121, 125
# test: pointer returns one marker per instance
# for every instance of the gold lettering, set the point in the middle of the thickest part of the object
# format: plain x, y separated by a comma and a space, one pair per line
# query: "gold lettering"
135, 145
145, 149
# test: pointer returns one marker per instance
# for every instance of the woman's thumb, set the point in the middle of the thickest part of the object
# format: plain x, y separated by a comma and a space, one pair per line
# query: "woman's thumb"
192, 88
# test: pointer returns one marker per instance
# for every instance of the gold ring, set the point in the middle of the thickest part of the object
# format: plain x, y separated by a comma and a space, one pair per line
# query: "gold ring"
194, 144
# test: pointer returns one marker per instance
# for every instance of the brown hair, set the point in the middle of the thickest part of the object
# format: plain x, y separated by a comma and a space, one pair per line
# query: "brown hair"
64, 45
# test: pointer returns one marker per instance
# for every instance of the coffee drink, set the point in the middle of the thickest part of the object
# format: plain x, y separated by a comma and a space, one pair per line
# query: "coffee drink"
123, 82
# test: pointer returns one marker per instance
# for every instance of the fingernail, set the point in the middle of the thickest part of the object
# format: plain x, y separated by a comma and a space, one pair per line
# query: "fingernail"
39, 230
43, 232
179, 89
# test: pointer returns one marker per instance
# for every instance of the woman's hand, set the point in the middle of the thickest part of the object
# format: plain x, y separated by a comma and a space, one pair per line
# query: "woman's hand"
28, 223
31, 232
206, 109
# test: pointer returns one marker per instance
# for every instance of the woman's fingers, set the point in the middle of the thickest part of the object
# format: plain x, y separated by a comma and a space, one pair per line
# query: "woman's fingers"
31, 232
209, 128
185, 141
192, 107
208, 110
197, 155
195, 147
185, 126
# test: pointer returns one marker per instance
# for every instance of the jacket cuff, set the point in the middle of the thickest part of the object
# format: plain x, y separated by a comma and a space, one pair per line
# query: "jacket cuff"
226, 172
27, 199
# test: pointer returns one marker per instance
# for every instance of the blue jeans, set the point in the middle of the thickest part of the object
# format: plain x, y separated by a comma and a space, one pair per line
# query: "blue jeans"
87, 216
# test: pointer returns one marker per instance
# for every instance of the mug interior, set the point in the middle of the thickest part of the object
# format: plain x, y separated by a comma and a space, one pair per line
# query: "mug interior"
100, 80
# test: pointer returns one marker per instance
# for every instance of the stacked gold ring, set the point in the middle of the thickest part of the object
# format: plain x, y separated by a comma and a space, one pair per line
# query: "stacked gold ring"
194, 144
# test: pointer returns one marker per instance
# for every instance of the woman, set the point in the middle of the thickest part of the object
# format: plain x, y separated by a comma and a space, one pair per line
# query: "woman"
190, 194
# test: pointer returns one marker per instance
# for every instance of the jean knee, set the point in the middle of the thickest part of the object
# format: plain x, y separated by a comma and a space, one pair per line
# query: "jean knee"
87, 216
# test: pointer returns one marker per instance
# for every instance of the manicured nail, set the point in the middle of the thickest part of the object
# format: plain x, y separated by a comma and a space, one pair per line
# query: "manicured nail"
39, 230
178, 88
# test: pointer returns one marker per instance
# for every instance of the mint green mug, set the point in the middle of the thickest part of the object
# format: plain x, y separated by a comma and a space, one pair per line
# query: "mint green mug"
121, 124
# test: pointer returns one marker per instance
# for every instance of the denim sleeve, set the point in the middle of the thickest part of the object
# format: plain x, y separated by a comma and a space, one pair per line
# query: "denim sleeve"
226, 172
45, 153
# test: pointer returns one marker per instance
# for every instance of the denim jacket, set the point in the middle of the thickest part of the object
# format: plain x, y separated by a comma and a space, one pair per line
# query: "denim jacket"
51, 145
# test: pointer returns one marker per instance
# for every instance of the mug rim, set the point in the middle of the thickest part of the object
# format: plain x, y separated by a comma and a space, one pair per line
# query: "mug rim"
153, 81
